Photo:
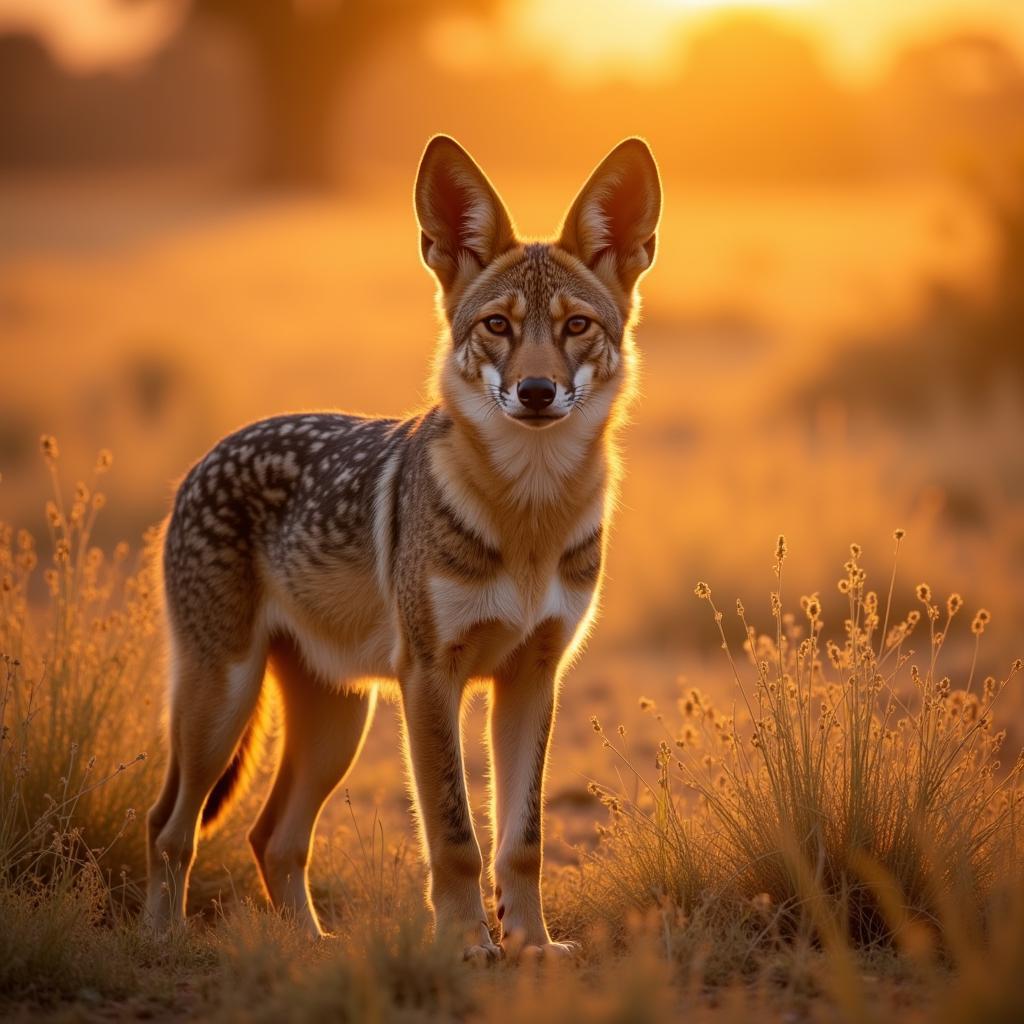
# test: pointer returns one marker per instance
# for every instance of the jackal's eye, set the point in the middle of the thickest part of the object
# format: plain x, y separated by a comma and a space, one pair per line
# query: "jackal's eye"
576, 324
497, 325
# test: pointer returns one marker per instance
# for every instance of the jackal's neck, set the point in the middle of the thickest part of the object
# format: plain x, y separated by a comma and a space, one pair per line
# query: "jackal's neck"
523, 482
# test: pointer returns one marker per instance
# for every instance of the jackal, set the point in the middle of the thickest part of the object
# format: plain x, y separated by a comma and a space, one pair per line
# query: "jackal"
465, 543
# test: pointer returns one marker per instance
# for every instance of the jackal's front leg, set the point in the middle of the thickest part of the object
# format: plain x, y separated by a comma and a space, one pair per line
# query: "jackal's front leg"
432, 704
522, 713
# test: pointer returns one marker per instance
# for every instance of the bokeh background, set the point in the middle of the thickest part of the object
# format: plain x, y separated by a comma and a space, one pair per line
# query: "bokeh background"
205, 217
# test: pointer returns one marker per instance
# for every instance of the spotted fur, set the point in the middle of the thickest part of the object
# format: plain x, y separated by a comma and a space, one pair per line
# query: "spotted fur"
464, 543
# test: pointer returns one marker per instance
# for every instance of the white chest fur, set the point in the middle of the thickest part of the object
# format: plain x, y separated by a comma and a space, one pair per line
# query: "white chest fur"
458, 607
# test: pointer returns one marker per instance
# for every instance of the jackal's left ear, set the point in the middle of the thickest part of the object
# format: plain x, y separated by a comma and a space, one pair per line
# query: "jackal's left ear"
464, 224
612, 223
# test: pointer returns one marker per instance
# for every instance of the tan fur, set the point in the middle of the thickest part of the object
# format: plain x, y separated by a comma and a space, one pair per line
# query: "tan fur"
462, 544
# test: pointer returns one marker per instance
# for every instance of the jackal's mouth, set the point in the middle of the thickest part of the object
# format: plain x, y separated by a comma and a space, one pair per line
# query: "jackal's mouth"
537, 419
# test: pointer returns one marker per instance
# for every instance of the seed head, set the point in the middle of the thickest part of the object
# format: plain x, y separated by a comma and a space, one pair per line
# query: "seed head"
646, 703
898, 534
48, 444
954, 603
981, 620
780, 548
703, 591
104, 460
924, 593
855, 550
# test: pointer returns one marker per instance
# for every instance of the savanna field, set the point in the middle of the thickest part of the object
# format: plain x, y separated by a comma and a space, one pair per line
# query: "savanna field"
785, 781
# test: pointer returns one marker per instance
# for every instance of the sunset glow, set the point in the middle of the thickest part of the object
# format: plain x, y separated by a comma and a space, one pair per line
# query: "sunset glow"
706, 5
636, 39
858, 36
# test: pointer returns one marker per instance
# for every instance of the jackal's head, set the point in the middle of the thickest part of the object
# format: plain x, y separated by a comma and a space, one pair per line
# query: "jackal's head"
539, 331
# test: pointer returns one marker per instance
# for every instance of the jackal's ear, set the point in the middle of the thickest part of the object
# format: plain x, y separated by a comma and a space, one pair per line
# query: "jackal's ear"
611, 225
463, 222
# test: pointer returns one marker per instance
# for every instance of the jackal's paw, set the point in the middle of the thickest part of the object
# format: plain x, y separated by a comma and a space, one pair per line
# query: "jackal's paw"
482, 954
518, 946
551, 951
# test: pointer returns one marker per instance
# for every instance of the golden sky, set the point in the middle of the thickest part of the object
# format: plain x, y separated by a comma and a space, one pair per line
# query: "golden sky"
582, 38
638, 36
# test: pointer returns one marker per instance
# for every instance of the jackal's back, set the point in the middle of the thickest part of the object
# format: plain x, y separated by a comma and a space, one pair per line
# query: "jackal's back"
286, 499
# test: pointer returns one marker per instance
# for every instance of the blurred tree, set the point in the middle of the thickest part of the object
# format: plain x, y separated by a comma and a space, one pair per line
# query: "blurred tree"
757, 97
966, 67
950, 100
303, 51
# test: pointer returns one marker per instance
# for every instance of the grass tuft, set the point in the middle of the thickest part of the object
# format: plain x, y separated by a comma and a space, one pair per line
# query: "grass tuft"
853, 796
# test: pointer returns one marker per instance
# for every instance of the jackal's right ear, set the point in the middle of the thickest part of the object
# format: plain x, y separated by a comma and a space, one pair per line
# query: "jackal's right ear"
464, 224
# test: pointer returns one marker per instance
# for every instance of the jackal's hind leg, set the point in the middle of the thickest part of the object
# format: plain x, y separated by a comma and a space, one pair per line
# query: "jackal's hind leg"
211, 705
324, 731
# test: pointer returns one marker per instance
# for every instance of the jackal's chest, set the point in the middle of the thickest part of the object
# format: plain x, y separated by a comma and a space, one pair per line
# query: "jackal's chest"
516, 605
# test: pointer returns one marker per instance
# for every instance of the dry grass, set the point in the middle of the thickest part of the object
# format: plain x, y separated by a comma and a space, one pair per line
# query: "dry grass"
842, 842
850, 801
77, 701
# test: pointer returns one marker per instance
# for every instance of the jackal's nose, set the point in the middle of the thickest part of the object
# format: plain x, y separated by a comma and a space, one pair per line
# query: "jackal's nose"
536, 392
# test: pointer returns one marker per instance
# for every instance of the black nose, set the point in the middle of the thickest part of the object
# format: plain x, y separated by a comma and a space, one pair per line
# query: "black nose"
536, 392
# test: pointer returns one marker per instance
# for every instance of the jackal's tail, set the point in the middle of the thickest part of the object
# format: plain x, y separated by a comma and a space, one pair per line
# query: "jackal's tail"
239, 773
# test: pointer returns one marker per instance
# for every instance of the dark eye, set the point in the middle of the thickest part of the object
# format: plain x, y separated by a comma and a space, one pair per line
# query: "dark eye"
576, 324
498, 325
